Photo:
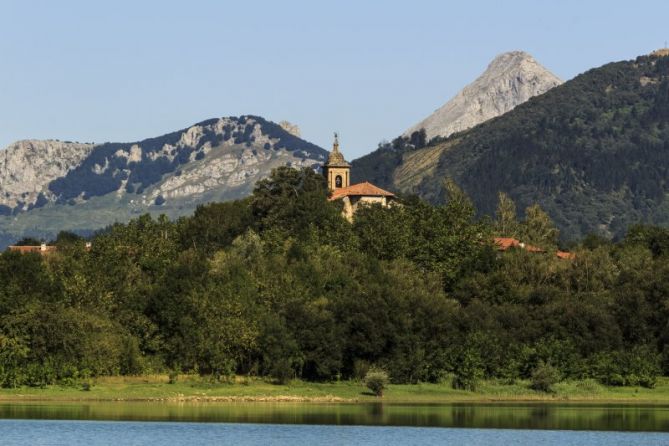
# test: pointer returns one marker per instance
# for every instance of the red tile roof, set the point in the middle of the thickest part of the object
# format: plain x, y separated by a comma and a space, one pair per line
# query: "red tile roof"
505, 243
360, 189
531, 248
566, 255
43, 249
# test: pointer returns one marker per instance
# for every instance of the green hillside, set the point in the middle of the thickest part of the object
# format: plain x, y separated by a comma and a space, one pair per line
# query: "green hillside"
594, 153
279, 286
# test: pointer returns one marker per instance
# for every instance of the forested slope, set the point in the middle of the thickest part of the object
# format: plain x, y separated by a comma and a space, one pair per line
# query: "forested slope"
593, 152
280, 285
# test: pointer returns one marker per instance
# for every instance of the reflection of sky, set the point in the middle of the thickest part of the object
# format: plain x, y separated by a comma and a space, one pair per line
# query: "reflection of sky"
96, 433
128, 70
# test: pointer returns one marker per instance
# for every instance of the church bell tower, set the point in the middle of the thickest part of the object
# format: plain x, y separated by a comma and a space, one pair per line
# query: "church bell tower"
336, 170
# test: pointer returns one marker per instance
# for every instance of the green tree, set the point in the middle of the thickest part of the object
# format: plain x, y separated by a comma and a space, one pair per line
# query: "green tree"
468, 367
214, 226
506, 223
384, 233
13, 355
280, 355
447, 239
538, 229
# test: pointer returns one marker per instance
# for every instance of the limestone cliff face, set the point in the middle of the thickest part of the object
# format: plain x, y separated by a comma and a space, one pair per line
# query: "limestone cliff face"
48, 186
218, 153
27, 167
511, 79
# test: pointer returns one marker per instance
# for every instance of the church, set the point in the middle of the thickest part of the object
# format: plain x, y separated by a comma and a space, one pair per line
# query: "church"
337, 172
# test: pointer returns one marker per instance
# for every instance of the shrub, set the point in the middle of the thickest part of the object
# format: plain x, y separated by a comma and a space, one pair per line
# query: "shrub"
544, 377
376, 380
647, 381
589, 386
615, 379
173, 377
68, 375
360, 369
282, 371
468, 371
40, 374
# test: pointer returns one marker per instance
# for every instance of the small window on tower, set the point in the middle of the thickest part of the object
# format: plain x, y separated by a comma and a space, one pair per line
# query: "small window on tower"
338, 181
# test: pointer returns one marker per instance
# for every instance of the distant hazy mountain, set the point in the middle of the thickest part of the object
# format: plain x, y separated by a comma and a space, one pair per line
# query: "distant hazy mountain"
510, 79
593, 152
48, 186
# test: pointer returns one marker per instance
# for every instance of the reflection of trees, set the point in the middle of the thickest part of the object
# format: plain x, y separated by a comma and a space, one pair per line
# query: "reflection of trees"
506, 416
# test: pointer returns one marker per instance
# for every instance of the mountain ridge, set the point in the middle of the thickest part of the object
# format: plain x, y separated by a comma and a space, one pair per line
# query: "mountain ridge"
215, 159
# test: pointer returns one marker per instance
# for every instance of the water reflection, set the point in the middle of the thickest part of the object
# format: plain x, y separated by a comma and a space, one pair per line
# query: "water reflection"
516, 416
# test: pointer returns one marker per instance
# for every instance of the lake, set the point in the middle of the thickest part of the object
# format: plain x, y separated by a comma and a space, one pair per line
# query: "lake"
121, 423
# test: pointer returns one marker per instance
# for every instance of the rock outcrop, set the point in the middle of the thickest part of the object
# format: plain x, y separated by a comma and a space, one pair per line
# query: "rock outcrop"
290, 128
511, 79
27, 167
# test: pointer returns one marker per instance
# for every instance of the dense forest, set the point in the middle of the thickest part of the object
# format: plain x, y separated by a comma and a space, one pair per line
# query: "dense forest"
279, 285
593, 152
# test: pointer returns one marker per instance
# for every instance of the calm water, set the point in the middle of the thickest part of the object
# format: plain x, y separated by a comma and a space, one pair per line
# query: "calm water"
99, 433
307, 424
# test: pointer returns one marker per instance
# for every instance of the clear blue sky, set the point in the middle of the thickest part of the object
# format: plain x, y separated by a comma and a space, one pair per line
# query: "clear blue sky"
126, 70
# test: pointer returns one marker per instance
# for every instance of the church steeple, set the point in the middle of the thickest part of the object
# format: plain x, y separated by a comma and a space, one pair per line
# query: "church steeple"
336, 169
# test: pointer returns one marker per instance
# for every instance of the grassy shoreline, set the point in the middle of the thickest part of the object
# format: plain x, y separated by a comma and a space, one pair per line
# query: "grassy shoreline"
156, 388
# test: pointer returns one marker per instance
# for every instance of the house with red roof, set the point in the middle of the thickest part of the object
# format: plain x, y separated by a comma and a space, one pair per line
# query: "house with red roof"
507, 243
42, 249
337, 173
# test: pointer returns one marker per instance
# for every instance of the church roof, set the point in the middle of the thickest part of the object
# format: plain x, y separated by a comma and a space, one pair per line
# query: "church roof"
360, 189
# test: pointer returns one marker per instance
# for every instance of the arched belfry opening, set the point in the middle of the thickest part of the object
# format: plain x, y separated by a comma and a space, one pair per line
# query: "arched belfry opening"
336, 170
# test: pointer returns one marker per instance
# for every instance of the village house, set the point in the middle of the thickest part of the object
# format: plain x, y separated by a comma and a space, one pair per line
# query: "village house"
42, 249
337, 172
507, 243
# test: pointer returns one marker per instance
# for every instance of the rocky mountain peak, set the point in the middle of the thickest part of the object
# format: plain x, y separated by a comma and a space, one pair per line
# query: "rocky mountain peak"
509, 61
293, 129
510, 79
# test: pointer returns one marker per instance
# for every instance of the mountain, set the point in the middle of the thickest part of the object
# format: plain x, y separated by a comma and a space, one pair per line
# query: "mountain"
48, 186
593, 152
511, 79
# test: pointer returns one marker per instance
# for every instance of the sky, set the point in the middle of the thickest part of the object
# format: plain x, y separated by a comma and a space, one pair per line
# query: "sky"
123, 71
